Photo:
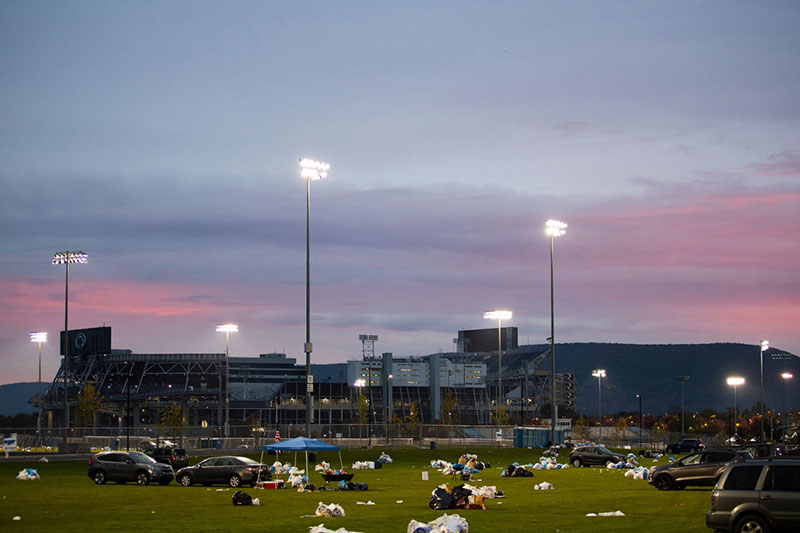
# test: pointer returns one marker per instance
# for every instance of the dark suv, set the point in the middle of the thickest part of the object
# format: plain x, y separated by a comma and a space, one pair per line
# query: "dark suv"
176, 457
699, 468
759, 495
593, 455
685, 445
128, 466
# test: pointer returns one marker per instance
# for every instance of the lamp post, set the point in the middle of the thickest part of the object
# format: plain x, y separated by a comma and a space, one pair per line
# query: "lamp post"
227, 329
640, 421
499, 315
40, 337
360, 383
683, 380
599, 374
67, 258
786, 377
311, 170
553, 228
735, 381
388, 414
764, 348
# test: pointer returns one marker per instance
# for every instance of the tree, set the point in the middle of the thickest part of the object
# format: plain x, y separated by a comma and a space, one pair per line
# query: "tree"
412, 420
173, 419
450, 409
501, 416
89, 401
362, 409
579, 430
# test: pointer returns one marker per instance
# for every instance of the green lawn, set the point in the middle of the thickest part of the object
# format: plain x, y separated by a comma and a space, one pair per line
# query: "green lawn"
65, 499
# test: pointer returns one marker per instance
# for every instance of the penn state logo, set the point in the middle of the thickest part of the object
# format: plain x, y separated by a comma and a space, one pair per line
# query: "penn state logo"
80, 341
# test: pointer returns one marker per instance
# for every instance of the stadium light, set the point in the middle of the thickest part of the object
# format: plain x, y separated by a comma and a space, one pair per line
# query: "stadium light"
553, 228
499, 315
735, 381
599, 374
227, 329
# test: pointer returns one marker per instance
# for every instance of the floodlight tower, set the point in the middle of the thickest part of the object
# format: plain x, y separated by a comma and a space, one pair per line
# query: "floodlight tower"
553, 228
735, 381
499, 315
39, 337
764, 348
311, 170
67, 258
227, 329
368, 346
683, 380
599, 374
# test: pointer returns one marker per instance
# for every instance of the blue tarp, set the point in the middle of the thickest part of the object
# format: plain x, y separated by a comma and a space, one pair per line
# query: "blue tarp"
301, 444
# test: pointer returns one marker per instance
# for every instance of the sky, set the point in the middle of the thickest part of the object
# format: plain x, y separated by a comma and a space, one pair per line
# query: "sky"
163, 138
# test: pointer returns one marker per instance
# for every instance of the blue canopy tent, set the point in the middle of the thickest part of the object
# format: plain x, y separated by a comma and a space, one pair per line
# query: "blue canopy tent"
303, 444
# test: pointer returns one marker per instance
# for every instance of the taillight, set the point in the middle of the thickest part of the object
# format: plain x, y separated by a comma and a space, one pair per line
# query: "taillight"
713, 499
91, 461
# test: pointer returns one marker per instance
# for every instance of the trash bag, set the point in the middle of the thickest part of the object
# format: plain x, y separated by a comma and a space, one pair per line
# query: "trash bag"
440, 499
332, 509
242, 498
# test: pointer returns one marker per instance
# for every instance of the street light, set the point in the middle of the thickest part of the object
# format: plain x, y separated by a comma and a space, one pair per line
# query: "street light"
499, 315
361, 383
640, 422
40, 337
764, 348
683, 380
227, 329
67, 258
553, 228
599, 374
735, 381
786, 377
311, 170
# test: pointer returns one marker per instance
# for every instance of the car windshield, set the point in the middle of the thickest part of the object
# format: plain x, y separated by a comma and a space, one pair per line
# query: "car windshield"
247, 460
141, 458
603, 449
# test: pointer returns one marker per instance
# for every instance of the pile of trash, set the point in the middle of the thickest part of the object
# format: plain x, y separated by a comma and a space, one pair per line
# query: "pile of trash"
364, 465
462, 497
544, 485
550, 463
282, 468
629, 462
638, 472
470, 460
323, 467
297, 478
344, 485
332, 509
28, 474
242, 498
384, 458
444, 524
515, 470
322, 529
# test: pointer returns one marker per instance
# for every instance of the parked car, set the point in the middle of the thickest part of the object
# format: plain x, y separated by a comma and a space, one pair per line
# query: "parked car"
760, 495
128, 466
764, 449
176, 457
227, 469
686, 445
697, 469
593, 455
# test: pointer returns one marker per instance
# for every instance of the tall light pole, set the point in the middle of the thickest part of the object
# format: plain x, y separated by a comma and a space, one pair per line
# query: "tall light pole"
735, 381
360, 383
764, 348
553, 228
67, 258
786, 377
227, 329
683, 380
599, 374
499, 315
40, 337
311, 170
640, 421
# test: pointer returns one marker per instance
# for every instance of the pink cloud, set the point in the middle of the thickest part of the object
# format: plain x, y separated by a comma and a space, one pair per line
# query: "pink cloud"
786, 163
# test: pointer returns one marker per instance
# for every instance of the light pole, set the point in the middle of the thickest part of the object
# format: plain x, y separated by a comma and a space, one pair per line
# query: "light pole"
786, 377
499, 315
67, 258
388, 414
683, 380
553, 228
40, 337
227, 329
640, 422
599, 374
735, 381
360, 383
764, 348
311, 170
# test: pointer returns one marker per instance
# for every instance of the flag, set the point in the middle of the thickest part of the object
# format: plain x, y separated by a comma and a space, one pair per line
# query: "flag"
277, 440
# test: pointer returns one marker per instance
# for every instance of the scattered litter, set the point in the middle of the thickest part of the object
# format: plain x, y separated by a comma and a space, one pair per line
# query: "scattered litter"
17, 518
443, 524
322, 529
368, 502
544, 485
28, 474
385, 458
364, 465
222, 490
461, 497
322, 467
241, 498
44, 460
333, 510
608, 513
398, 501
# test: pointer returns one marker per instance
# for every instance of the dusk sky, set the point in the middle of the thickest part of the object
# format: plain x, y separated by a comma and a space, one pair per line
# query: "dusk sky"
162, 138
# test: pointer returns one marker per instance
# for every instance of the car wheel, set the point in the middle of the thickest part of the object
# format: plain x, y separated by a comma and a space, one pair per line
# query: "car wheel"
576, 462
664, 482
142, 479
751, 524
185, 480
234, 481
99, 478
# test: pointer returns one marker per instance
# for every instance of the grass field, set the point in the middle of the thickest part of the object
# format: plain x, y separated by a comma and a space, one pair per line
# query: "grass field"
65, 499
